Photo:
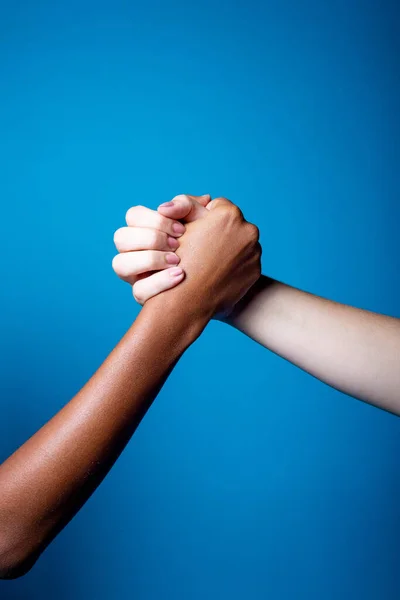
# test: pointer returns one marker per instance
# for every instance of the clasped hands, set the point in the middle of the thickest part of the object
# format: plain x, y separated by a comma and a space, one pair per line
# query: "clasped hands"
205, 247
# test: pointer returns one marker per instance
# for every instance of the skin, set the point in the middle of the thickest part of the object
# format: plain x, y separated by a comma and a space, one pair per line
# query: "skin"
352, 350
46, 481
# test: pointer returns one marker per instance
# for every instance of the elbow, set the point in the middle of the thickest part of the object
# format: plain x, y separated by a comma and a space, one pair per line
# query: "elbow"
14, 570
15, 558
11, 571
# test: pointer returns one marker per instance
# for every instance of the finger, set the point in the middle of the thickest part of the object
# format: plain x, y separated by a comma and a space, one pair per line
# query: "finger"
140, 216
224, 203
183, 207
130, 239
128, 265
150, 286
219, 202
203, 200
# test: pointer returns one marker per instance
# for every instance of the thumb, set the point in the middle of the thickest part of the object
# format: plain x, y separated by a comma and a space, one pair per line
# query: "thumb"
203, 200
185, 208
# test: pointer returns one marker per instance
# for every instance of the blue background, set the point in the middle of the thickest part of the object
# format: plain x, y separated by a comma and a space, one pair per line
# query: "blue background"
248, 478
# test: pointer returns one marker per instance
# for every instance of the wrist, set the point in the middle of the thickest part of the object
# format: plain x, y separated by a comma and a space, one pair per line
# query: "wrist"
179, 315
262, 283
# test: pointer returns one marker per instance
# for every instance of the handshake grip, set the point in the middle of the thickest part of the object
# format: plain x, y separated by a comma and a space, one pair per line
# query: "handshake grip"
203, 247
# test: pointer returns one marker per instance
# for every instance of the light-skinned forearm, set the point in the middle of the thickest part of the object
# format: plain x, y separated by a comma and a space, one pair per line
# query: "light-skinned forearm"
355, 351
45, 482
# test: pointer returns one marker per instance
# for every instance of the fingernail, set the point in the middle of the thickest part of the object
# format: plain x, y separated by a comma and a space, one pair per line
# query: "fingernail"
173, 243
166, 204
172, 259
175, 272
178, 228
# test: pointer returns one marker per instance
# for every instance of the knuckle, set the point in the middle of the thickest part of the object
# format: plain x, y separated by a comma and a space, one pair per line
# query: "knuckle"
230, 208
220, 203
137, 292
119, 235
236, 212
254, 232
118, 265
129, 215
132, 213
251, 233
180, 197
231, 213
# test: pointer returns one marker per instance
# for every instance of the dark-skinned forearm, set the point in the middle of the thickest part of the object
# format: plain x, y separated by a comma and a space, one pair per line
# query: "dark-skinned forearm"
45, 482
